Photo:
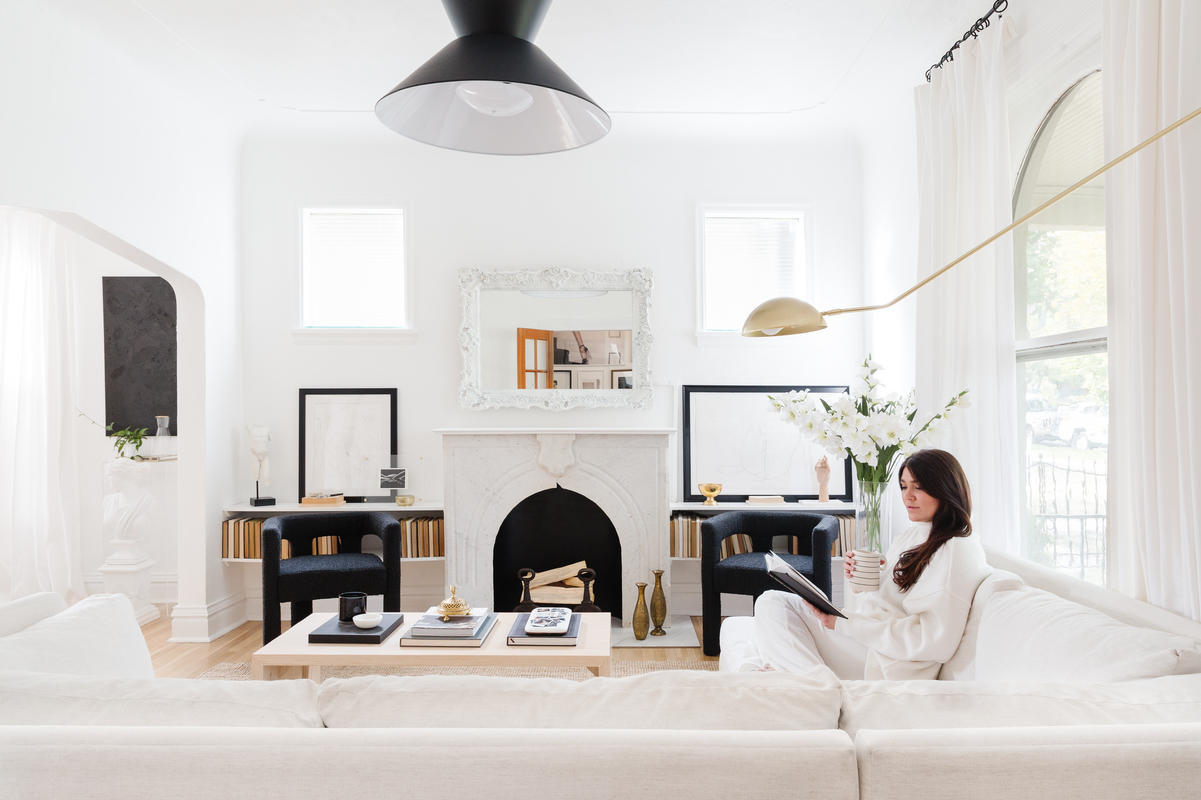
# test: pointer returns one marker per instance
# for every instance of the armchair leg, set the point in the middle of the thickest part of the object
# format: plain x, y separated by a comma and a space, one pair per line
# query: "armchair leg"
271, 620
711, 623
301, 609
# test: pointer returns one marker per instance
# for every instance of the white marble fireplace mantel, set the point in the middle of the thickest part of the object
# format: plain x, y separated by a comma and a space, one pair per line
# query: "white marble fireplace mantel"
488, 471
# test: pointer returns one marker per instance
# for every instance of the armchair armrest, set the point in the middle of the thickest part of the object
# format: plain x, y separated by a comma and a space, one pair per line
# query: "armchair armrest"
825, 533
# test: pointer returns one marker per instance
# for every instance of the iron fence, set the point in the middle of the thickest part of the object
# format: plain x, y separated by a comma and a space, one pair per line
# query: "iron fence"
1066, 509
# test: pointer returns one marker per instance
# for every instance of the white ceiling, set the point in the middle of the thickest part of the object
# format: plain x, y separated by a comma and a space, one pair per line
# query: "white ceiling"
630, 55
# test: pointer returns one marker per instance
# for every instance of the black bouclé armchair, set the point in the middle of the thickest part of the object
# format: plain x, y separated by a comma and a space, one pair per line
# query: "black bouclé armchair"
304, 577
746, 573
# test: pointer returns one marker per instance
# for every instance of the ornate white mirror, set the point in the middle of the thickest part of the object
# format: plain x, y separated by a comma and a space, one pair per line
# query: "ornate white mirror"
555, 339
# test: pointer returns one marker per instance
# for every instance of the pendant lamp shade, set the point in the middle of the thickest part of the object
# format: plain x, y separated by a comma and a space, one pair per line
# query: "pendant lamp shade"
493, 90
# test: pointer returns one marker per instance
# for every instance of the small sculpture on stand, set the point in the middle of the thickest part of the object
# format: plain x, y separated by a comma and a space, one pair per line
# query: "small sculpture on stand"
259, 450
823, 480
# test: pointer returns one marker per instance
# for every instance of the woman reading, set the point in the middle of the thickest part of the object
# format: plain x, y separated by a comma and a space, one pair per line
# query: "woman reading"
913, 625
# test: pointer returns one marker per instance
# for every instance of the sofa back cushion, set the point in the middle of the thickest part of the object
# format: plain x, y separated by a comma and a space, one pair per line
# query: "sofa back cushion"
97, 636
20, 614
962, 666
1032, 635
670, 699
35, 698
908, 705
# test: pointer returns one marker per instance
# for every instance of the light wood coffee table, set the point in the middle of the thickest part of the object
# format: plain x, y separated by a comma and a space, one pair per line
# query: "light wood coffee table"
291, 656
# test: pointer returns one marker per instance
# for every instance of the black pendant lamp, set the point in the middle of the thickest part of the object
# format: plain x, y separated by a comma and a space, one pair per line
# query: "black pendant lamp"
492, 90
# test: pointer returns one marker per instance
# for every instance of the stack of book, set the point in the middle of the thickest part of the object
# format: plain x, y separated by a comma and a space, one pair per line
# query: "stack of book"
432, 631
845, 542
422, 537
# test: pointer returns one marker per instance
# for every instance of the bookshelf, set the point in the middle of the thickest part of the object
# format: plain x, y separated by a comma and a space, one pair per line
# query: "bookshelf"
245, 510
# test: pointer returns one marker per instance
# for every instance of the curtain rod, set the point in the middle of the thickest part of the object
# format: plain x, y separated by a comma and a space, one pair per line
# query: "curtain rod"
998, 8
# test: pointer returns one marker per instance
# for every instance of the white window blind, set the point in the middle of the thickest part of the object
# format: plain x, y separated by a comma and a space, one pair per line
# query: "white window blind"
749, 259
353, 267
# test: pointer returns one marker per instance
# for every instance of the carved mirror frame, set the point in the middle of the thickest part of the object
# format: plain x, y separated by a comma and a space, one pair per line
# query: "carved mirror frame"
473, 395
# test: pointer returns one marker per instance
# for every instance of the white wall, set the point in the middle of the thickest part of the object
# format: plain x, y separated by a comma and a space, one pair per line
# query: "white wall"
628, 201
147, 151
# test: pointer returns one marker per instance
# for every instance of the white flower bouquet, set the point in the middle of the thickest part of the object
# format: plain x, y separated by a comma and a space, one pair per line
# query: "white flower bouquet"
875, 428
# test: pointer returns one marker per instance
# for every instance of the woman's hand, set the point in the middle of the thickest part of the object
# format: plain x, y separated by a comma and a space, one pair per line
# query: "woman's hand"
848, 564
827, 620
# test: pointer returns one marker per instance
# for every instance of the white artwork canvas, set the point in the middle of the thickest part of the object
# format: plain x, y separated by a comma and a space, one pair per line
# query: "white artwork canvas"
738, 441
347, 443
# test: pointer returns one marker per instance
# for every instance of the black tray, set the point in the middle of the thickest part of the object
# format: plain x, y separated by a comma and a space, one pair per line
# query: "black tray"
335, 631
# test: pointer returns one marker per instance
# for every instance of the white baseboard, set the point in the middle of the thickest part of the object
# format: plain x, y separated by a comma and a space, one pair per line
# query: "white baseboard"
206, 623
164, 586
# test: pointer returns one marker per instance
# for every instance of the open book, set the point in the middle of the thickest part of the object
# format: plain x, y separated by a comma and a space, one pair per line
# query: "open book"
798, 584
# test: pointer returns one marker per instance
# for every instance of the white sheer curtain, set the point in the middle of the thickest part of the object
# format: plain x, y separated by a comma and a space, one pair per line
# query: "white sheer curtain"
39, 513
1152, 66
965, 319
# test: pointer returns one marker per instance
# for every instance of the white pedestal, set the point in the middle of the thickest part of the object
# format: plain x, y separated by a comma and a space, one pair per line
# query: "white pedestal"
127, 572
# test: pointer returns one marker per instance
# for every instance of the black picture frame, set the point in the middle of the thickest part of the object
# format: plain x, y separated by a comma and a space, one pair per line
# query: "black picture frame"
393, 438
690, 494
564, 372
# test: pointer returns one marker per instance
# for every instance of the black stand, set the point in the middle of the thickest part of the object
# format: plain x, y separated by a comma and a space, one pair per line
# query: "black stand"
260, 501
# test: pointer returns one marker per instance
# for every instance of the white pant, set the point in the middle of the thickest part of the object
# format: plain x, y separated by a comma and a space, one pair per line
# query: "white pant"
785, 635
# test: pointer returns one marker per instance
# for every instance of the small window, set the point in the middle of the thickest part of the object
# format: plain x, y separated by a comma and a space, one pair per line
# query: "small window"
747, 257
353, 268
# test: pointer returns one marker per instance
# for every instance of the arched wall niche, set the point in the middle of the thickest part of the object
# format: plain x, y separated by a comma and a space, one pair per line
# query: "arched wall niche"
190, 616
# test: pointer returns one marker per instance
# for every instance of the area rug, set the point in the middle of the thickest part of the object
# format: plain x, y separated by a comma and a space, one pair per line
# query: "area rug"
240, 671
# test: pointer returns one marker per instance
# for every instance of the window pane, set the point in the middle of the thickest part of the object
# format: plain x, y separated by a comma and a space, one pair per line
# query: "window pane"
1060, 254
747, 261
354, 269
1066, 419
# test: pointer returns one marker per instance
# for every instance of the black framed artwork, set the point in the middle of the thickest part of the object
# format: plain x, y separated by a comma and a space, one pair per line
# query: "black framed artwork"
732, 436
346, 437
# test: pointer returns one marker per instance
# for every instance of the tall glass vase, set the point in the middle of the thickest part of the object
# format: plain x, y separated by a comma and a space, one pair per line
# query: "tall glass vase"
873, 529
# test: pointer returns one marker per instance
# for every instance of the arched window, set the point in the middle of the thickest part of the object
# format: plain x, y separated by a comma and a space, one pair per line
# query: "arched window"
1060, 310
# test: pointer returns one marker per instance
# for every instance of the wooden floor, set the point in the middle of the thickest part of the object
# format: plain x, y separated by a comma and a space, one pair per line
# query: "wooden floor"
188, 660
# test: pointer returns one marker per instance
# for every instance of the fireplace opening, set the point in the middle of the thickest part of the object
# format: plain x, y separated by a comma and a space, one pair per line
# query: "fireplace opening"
550, 529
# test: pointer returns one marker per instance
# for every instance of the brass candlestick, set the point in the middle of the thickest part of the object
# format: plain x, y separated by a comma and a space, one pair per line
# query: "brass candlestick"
710, 491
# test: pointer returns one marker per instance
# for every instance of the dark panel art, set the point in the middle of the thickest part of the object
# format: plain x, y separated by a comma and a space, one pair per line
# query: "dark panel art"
140, 352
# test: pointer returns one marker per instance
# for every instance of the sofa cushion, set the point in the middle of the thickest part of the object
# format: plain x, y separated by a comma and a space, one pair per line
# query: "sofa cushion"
1032, 635
96, 636
962, 666
20, 614
671, 699
35, 698
908, 705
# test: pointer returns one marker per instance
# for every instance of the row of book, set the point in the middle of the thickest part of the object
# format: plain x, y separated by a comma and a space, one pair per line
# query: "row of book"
422, 537
242, 537
686, 538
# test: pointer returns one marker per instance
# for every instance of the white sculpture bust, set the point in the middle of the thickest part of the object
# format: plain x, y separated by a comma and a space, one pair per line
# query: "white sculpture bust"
124, 509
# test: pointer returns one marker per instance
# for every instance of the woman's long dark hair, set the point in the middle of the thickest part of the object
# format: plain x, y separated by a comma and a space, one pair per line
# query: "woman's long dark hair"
939, 475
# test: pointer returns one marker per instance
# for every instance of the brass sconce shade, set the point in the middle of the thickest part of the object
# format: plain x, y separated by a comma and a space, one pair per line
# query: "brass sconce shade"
783, 316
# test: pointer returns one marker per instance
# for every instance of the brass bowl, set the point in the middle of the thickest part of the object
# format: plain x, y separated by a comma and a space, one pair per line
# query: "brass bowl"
710, 491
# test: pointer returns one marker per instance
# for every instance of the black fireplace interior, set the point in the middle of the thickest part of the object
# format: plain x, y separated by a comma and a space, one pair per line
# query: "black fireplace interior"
554, 528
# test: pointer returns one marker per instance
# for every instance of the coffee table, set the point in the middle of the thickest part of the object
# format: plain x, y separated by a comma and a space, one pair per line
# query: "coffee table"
291, 656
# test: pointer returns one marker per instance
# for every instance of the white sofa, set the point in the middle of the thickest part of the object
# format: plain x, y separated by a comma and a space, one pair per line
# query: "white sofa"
80, 717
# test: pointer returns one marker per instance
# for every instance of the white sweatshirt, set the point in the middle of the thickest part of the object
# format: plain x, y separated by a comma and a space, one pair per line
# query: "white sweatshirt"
909, 635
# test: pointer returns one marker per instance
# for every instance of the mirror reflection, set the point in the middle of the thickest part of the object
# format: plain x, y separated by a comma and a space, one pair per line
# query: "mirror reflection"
557, 340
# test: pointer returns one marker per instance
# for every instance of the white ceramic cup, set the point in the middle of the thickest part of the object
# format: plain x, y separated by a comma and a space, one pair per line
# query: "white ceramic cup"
368, 621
